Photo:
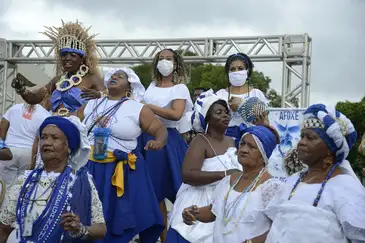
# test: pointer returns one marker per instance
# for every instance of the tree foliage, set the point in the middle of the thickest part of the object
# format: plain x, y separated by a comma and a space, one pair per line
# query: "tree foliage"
355, 111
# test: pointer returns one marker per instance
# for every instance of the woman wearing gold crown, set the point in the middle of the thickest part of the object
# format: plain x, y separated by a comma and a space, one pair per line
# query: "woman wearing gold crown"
77, 58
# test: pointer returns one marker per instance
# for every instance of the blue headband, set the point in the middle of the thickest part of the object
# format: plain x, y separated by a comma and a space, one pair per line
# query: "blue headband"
72, 50
266, 137
70, 130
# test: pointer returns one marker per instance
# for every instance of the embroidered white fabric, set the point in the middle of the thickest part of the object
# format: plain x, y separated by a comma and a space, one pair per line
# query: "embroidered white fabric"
253, 222
339, 216
201, 196
8, 212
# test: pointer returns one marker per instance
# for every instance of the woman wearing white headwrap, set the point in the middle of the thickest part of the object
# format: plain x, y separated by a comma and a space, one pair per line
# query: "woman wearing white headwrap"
210, 157
325, 203
239, 200
56, 202
120, 172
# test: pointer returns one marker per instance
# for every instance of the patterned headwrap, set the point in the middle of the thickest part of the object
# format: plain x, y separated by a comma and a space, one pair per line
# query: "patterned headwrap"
201, 107
251, 108
76, 134
334, 128
265, 139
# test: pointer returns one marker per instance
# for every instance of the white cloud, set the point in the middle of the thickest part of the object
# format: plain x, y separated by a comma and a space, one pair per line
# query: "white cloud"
335, 26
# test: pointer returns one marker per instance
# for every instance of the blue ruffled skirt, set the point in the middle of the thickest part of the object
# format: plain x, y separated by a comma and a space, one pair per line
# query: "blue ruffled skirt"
174, 237
165, 165
137, 211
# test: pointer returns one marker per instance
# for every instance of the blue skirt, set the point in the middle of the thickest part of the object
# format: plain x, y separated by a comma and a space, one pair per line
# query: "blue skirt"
137, 211
165, 165
174, 237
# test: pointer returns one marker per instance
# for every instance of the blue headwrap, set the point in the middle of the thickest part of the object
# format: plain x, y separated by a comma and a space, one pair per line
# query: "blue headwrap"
334, 128
67, 127
265, 140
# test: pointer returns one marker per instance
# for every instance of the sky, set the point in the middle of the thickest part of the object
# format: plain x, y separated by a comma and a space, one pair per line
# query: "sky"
336, 27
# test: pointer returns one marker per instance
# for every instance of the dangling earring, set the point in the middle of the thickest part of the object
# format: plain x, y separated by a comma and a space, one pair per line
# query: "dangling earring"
175, 77
328, 161
206, 128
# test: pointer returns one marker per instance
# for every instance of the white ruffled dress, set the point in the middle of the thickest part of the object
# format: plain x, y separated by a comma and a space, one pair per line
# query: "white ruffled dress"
253, 221
338, 218
201, 196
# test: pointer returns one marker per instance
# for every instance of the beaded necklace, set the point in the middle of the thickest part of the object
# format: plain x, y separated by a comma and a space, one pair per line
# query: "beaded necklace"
319, 194
244, 195
47, 222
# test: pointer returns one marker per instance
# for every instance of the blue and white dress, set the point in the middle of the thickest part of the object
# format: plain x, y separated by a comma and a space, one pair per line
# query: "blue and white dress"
165, 164
136, 211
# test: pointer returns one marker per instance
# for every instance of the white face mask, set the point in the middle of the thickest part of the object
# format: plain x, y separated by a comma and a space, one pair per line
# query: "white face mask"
165, 67
238, 78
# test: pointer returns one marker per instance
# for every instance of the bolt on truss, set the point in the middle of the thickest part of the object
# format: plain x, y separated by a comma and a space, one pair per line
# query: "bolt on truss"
292, 50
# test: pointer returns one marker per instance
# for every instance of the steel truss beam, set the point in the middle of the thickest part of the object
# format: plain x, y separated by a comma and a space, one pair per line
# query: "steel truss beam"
291, 50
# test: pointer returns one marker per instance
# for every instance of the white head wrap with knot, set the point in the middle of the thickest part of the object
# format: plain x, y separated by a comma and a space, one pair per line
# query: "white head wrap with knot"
138, 89
81, 156
201, 107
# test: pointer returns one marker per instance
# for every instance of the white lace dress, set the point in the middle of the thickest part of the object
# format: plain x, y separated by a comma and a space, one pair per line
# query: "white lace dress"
8, 212
201, 196
338, 218
248, 219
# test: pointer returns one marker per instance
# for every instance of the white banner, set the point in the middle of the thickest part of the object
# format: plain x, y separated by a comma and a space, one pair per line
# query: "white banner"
287, 121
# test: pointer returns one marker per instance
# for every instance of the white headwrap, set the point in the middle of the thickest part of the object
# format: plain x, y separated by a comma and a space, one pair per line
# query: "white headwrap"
138, 89
201, 107
80, 158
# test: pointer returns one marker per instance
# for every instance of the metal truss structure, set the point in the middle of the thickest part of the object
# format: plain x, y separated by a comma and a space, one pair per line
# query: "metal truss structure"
293, 51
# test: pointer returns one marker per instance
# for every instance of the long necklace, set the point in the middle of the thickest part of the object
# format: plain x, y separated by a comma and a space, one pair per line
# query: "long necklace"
319, 194
66, 83
244, 195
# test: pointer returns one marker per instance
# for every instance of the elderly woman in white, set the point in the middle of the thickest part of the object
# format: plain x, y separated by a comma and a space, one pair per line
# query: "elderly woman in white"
57, 201
325, 203
120, 172
210, 157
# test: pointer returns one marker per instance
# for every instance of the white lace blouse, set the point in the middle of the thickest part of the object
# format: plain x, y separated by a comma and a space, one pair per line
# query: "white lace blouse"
246, 214
8, 212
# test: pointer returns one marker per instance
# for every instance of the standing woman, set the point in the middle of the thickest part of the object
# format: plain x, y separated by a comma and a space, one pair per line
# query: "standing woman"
119, 170
169, 98
238, 68
77, 58
210, 157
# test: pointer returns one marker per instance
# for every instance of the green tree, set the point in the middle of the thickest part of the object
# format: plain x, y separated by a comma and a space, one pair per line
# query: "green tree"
355, 111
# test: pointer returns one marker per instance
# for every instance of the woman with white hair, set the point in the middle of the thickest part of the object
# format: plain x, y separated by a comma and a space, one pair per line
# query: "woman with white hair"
210, 157
57, 201
120, 172
325, 203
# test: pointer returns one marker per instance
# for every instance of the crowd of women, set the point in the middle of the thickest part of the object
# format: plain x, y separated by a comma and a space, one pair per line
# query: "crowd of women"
101, 164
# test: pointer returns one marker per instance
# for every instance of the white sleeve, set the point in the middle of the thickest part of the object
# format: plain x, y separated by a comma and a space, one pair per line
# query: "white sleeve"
97, 215
349, 198
218, 195
7, 114
181, 91
258, 93
8, 210
269, 189
222, 94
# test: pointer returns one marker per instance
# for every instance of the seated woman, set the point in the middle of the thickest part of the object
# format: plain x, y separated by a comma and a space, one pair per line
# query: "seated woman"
326, 202
53, 203
77, 58
210, 157
239, 69
239, 200
119, 170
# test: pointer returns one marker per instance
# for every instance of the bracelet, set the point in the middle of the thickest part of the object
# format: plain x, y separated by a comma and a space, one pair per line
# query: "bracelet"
21, 91
82, 232
225, 173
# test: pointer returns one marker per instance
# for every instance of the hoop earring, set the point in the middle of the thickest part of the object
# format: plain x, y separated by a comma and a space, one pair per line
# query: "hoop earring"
128, 94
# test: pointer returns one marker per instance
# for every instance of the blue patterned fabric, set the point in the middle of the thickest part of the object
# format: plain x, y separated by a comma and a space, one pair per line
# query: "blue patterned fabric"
338, 133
